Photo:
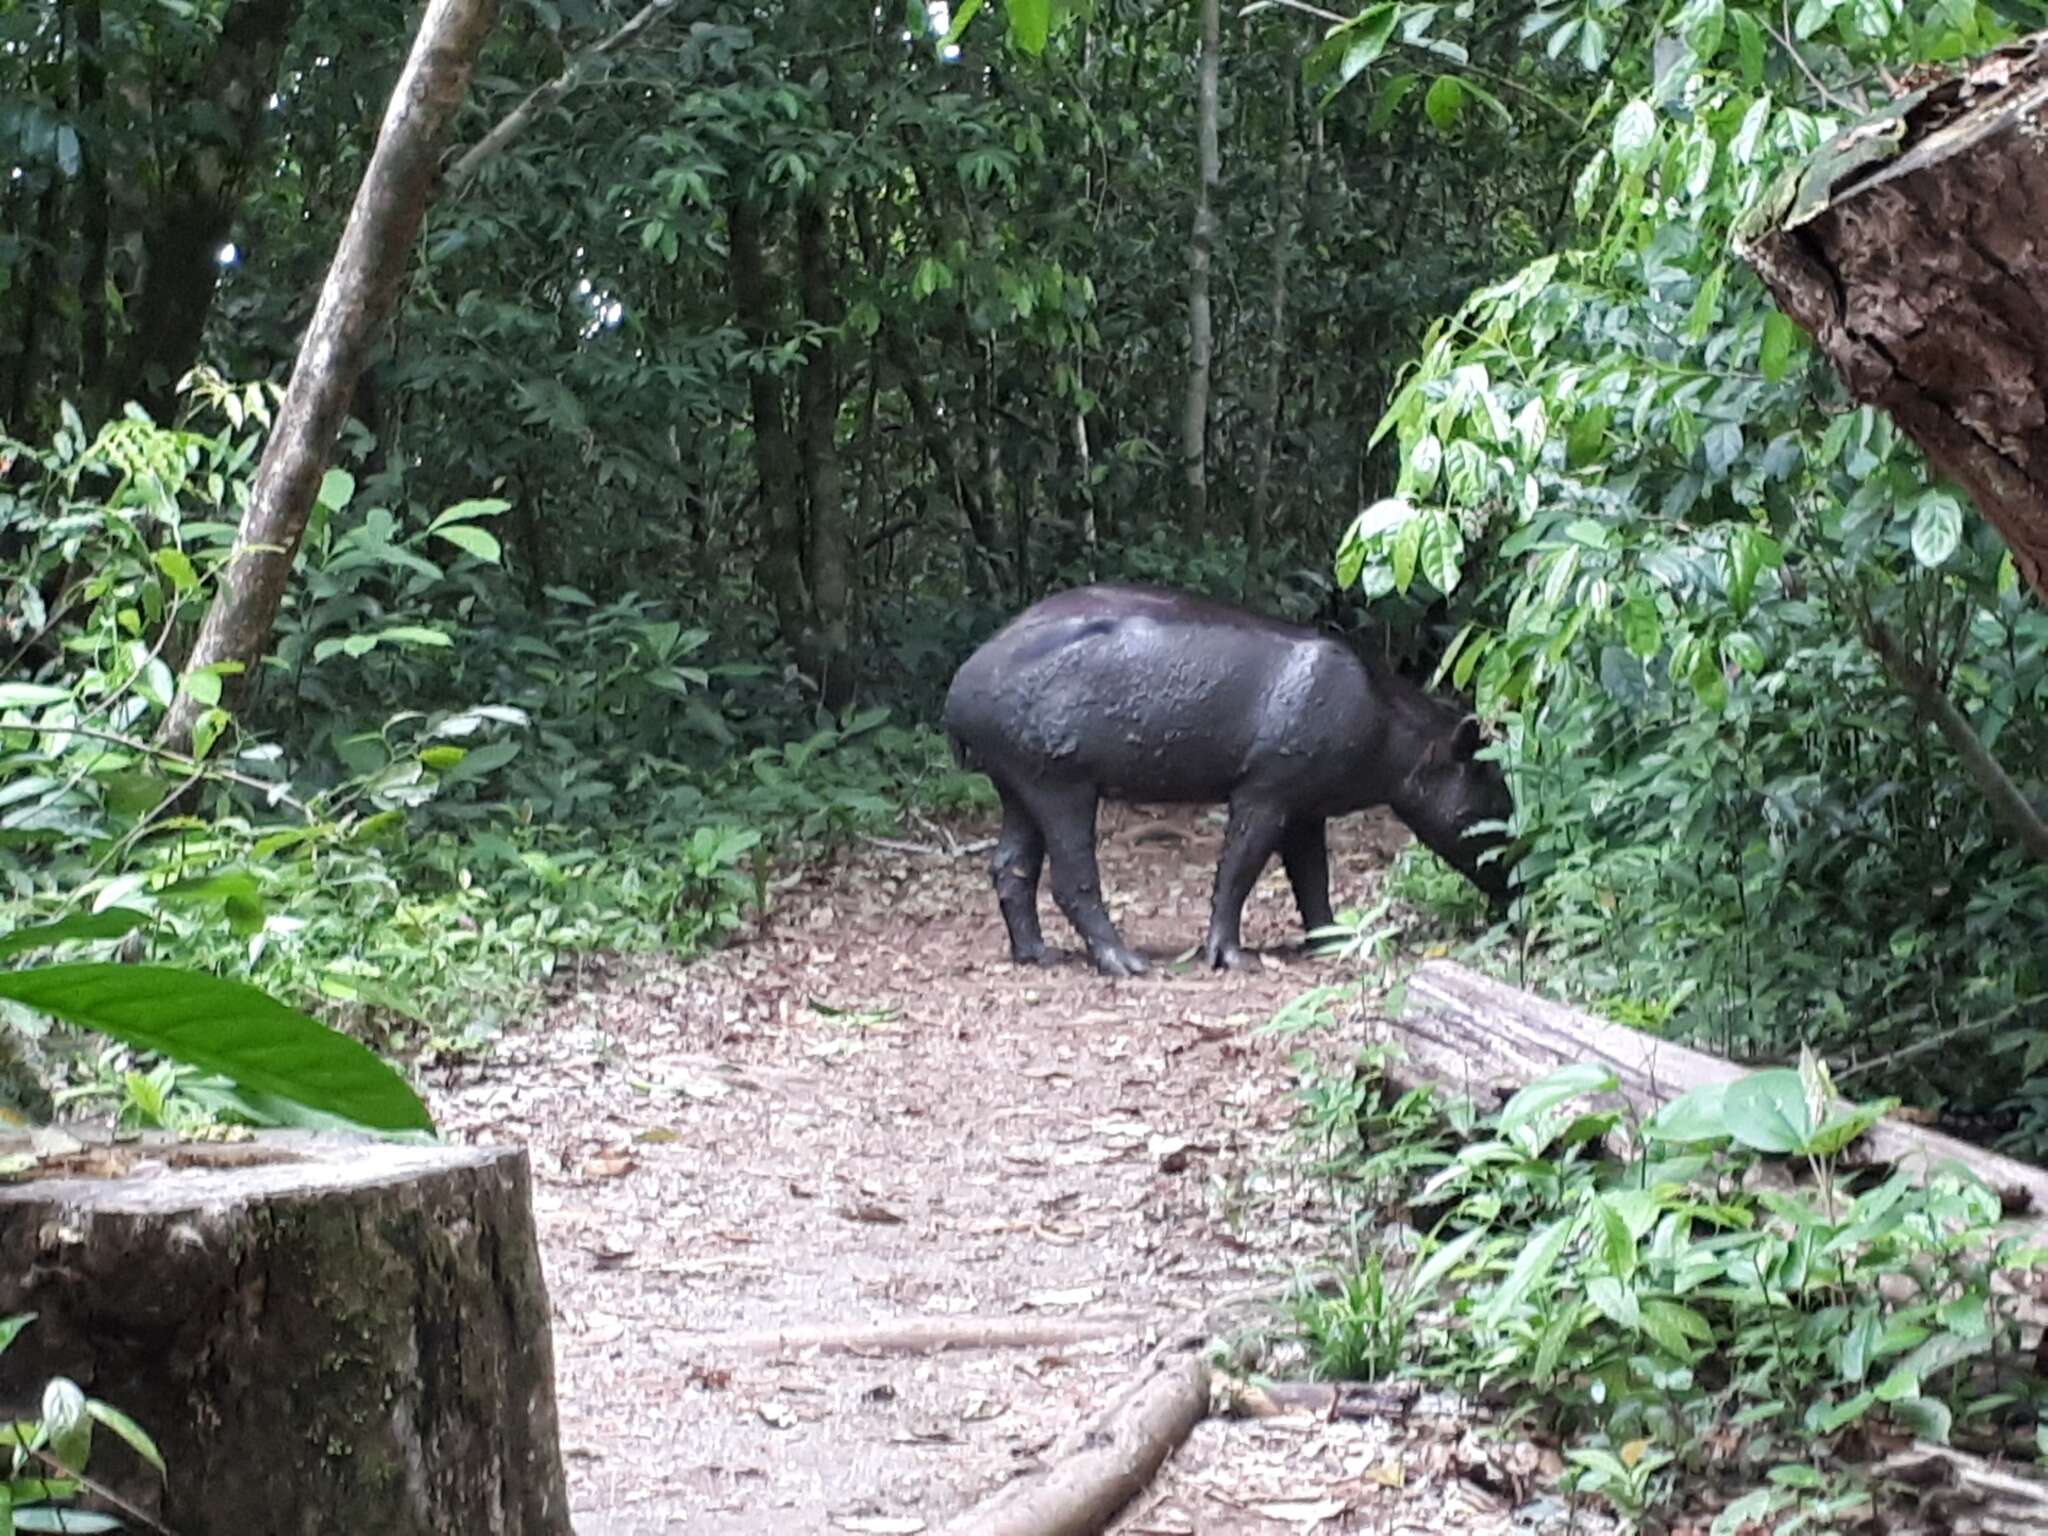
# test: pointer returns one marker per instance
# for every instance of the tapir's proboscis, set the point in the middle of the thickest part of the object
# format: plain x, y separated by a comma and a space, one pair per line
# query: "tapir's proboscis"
1137, 694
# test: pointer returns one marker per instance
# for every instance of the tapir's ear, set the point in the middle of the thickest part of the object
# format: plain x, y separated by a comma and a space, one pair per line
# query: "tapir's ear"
1467, 740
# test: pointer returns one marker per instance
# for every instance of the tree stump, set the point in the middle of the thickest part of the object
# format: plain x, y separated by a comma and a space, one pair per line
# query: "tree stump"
1910, 248
323, 1334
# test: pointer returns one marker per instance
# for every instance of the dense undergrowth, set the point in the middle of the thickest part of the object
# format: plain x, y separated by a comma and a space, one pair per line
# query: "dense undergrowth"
1700, 1340
434, 793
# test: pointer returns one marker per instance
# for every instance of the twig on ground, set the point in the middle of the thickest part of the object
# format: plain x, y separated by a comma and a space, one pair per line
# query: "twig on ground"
919, 1335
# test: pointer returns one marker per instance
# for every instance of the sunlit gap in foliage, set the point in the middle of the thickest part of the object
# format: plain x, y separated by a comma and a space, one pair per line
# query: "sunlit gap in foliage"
227, 255
940, 15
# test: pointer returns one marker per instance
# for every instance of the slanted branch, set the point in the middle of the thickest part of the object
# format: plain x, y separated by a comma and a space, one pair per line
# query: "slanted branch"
1911, 248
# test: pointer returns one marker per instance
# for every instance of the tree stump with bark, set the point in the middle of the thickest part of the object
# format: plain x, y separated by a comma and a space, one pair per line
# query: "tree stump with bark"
1910, 247
322, 1333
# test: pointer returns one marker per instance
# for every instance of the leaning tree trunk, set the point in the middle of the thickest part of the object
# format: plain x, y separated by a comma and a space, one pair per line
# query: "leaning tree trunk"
1194, 430
360, 292
322, 1334
182, 240
1910, 248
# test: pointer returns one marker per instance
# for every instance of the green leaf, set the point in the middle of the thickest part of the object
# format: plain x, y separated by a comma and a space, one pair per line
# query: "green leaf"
1441, 554
130, 1432
113, 923
1388, 101
226, 1027
177, 565
966, 12
1407, 546
1445, 100
1587, 440
337, 488
1767, 1111
1697, 1115
1641, 629
1365, 39
1782, 338
479, 542
1554, 1090
1703, 23
1635, 136
30, 695
1030, 24
469, 511
1537, 1258
1675, 1327
1937, 528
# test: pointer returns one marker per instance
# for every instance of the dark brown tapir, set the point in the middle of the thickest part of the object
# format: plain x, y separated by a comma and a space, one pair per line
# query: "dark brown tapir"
1134, 693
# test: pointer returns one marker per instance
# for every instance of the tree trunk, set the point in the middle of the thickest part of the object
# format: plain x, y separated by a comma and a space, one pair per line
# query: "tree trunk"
775, 459
1909, 248
1201, 335
1284, 215
182, 240
818, 401
361, 289
322, 1334
93, 219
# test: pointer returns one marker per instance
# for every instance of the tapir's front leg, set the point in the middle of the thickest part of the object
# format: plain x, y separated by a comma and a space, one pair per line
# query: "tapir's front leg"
1248, 843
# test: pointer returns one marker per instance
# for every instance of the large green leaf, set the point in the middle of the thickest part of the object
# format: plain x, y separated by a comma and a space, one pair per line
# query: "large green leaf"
114, 923
225, 1027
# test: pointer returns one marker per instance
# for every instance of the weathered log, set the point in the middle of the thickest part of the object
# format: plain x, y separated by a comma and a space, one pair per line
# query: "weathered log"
1487, 1039
1909, 247
324, 1334
1081, 1492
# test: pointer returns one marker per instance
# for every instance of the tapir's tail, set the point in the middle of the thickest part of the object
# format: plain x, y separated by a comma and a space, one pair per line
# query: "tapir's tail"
961, 754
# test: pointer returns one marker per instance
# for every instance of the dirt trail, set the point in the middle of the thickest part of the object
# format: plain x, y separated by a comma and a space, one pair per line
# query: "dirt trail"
867, 1115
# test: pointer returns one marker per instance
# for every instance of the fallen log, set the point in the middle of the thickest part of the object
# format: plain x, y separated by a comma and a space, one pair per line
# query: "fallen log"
1116, 1456
323, 1334
1486, 1039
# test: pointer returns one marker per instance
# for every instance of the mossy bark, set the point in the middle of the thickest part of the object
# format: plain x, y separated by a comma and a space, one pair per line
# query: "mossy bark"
322, 1334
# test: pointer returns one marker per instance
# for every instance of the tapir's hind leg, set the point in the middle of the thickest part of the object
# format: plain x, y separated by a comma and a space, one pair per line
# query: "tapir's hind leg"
1065, 813
1305, 851
1019, 856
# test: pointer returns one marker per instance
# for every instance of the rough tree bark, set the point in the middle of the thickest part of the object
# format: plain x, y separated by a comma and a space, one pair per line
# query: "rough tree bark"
323, 1335
93, 217
1911, 249
361, 289
775, 454
182, 240
1194, 431
818, 401
1285, 208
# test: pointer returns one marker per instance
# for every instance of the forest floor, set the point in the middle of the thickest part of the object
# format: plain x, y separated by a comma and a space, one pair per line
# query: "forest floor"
864, 1114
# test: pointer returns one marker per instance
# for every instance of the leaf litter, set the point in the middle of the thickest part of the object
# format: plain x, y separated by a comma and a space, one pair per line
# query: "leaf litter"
860, 1114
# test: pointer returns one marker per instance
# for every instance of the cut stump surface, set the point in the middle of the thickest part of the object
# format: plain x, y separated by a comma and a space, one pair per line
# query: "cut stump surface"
322, 1334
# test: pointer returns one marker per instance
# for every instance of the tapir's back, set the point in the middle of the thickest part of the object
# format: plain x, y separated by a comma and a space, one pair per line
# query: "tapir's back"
1151, 695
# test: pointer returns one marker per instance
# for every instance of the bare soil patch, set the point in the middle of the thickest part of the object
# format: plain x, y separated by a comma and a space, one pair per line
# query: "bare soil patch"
866, 1116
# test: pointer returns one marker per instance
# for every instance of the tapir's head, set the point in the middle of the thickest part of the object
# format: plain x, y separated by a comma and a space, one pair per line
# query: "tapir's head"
1448, 792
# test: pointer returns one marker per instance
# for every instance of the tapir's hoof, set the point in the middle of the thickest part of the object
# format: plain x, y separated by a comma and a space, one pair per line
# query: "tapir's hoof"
1230, 957
1119, 962
1036, 955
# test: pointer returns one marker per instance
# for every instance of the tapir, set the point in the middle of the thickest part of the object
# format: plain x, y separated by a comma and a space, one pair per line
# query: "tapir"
1135, 693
